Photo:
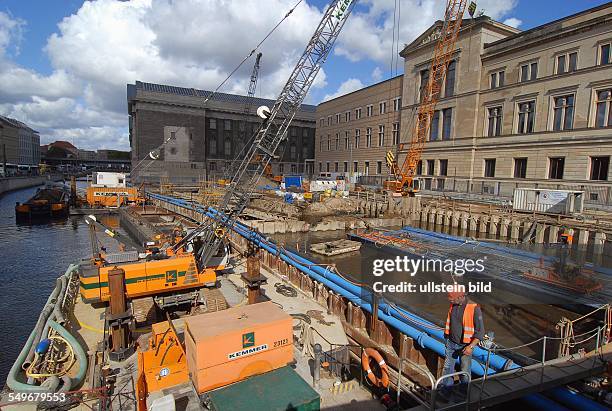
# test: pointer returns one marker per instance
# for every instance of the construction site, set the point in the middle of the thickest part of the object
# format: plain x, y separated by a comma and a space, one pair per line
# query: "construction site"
263, 286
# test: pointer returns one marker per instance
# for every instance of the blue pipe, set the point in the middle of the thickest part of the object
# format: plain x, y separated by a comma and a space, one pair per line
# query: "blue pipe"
337, 284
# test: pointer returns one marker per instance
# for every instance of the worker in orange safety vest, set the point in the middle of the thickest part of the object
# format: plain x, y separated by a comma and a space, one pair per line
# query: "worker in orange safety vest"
464, 330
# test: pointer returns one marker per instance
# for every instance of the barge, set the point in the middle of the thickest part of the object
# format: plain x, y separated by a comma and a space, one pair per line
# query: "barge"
48, 203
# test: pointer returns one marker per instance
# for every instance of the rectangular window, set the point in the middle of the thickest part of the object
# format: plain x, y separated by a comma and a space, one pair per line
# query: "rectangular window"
563, 112
489, 170
213, 146
369, 110
567, 62
419, 169
366, 168
395, 132
529, 71
369, 137
446, 123
327, 166
212, 123
320, 167
329, 120
604, 54
497, 79
281, 168
357, 113
430, 167
336, 167
520, 168
345, 164
212, 166
328, 142
599, 168
561, 64
321, 122
382, 107
397, 104
355, 166
423, 83
494, 121
381, 135
337, 141
526, 117
449, 84
228, 147
573, 62
434, 129
379, 167
603, 116
357, 137
346, 140
443, 167
555, 167
347, 116
228, 125
337, 118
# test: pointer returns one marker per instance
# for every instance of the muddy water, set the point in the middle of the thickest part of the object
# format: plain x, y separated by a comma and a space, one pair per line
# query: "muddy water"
522, 321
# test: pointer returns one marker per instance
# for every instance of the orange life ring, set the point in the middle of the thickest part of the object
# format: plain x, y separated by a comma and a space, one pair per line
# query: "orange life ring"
371, 353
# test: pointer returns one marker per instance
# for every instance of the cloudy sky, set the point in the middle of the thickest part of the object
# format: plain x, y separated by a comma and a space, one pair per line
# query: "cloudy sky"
64, 64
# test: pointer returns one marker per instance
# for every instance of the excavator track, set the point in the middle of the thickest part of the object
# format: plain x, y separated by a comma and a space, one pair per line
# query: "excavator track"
213, 300
144, 310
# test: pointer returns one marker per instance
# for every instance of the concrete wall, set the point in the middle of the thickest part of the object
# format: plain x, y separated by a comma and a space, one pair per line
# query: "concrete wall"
16, 183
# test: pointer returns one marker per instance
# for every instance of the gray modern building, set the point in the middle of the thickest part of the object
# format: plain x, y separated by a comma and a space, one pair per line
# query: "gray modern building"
202, 138
19, 147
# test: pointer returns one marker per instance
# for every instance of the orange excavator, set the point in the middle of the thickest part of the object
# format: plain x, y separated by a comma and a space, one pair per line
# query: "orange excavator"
403, 182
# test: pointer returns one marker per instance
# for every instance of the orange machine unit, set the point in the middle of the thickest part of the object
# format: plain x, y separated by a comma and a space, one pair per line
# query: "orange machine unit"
146, 277
112, 196
227, 346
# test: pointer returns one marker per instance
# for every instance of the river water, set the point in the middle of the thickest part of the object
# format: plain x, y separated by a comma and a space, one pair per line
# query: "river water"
33, 256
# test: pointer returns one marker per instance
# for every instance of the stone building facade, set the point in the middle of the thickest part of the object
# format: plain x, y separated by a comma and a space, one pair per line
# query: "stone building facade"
530, 109
517, 109
355, 131
203, 139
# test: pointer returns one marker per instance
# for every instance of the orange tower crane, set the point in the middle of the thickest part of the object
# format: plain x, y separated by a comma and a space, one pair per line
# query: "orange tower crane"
443, 51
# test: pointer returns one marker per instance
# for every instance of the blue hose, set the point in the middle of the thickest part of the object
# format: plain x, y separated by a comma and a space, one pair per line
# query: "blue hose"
389, 314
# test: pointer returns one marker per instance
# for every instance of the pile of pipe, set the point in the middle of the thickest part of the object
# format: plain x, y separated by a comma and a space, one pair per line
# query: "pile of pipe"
423, 332
51, 318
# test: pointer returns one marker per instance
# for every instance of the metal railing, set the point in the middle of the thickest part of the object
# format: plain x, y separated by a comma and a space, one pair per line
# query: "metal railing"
595, 194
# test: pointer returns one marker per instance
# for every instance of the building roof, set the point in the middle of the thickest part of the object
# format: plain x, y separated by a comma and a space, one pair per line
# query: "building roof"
64, 145
192, 92
466, 24
17, 123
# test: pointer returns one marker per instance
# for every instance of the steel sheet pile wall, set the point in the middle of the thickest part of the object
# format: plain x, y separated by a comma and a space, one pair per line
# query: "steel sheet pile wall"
423, 332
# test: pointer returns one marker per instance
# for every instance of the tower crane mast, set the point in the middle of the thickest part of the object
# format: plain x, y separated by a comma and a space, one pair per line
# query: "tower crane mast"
273, 130
430, 95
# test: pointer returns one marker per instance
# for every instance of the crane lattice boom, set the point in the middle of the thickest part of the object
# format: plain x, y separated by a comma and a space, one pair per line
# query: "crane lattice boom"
443, 52
274, 129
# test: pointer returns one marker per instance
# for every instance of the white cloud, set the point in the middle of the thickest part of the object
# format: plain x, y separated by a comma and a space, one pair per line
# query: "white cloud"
369, 34
11, 30
377, 74
346, 87
513, 22
106, 44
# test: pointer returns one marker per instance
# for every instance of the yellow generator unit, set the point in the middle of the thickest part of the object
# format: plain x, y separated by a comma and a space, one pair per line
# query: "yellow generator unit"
144, 277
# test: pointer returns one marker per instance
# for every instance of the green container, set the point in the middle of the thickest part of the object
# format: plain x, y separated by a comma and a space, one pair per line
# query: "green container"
277, 390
